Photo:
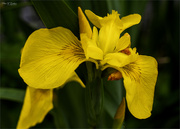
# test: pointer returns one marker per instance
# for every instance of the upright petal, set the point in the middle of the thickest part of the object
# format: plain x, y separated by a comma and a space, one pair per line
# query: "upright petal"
130, 20
94, 52
84, 24
90, 45
110, 29
112, 18
139, 80
100, 22
50, 57
123, 42
37, 103
95, 19
108, 38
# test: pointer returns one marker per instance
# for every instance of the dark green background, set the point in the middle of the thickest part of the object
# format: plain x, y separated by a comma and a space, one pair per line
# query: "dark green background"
157, 35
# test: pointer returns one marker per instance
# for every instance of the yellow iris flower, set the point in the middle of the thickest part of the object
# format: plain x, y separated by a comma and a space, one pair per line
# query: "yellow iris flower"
50, 57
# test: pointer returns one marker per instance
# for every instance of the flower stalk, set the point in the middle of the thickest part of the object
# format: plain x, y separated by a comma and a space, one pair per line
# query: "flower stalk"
94, 95
57, 111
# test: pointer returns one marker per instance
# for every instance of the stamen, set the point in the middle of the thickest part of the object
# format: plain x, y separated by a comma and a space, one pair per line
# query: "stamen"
126, 51
115, 76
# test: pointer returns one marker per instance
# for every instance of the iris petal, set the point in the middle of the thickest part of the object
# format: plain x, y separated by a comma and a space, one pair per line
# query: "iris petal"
37, 103
84, 24
50, 57
110, 28
123, 42
100, 22
90, 45
130, 20
95, 19
139, 80
108, 37
119, 59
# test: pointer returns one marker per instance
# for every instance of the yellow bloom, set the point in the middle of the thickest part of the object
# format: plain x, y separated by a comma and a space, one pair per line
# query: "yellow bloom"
50, 57
139, 71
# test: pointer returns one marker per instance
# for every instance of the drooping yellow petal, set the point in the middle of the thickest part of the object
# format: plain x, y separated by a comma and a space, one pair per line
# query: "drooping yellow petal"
139, 80
50, 57
123, 42
37, 103
84, 24
130, 20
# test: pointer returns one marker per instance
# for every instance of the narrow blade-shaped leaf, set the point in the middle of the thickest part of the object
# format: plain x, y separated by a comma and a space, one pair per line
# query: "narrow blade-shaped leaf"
12, 94
57, 13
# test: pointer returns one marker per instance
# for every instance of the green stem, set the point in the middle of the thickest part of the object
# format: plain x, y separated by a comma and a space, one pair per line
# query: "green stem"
94, 95
57, 112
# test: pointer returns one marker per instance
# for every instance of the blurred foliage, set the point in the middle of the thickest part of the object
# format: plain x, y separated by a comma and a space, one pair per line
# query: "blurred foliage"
157, 35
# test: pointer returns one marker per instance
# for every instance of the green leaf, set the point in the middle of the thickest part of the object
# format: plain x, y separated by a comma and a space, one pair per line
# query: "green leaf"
120, 113
69, 107
12, 94
113, 96
57, 13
